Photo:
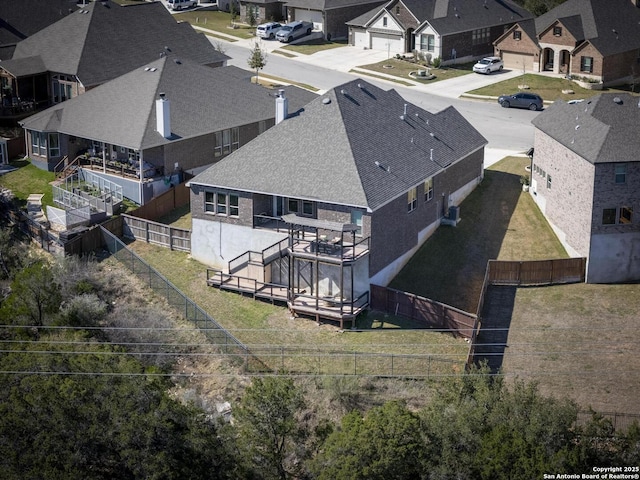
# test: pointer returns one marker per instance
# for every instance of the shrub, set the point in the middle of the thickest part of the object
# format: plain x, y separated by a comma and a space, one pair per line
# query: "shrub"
437, 62
82, 311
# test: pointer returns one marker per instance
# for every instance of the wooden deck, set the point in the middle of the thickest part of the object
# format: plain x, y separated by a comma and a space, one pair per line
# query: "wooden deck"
327, 250
320, 308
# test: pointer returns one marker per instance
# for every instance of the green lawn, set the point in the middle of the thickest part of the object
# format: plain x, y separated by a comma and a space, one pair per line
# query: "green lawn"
498, 221
29, 179
216, 21
402, 68
549, 88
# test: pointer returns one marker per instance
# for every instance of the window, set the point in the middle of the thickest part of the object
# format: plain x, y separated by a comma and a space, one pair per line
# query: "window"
226, 141
235, 138
620, 216
62, 88
427, 42
428, 189
609, 216
626, 214
621, 173
356, 219
517, 35
54, 145
262, 126
384, 21
549, 181
217, 148
133, 155
39, 143
586, 64
412, 200
557, 31
481, 35
221, 203
293, 206
397, 9
307, 207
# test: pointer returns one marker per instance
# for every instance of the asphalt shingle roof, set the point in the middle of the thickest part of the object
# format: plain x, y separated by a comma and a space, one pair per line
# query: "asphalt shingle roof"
103, 40
202, 100
612, 26
471, 14
22, 18
603, 129
348, 147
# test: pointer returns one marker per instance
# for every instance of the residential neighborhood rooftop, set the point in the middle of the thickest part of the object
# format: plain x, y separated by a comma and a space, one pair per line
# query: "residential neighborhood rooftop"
605, 128
356, 145
203, 100
103, 40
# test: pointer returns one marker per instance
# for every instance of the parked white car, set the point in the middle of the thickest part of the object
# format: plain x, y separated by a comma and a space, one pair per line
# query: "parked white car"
294, 30
180, 4
268, 30
488, 65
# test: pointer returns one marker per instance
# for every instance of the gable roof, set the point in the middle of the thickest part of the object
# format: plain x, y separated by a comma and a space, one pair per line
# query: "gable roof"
328, 4
611, 26
348, 147
441, 14
603, 129
103, 40
202, 100
20, 19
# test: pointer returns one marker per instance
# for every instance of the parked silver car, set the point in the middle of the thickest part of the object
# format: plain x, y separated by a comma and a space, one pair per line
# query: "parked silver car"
531, 101
488, 65
294, 30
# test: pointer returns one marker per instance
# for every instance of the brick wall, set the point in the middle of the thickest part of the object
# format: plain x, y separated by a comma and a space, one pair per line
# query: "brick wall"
463, 44
608, 194
621, 68
587, 51
564, 39
524, 45
394, 230
245, 206
568, 203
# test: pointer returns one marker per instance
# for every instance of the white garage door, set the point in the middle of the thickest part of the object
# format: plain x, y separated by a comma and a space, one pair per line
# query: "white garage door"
309, 16
387, 43
517, 61
360, 39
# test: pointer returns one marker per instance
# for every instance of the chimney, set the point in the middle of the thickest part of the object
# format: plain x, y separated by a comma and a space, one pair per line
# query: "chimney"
282, 107
163, 118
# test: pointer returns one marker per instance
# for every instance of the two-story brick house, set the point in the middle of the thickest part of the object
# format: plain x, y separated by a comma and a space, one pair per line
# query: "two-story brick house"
453, 31
337, 197
598, 40
96, 43
586, 181
143, 129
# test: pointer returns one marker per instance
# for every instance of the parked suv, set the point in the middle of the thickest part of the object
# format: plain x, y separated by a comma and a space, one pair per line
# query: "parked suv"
180, 4
268, 30
531, 101
488, 65
292, 31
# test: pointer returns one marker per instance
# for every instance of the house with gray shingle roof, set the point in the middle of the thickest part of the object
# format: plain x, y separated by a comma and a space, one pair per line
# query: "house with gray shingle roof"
20, 19
595, 40
586, 180
154, 123
452, 30
336, 197
96, 43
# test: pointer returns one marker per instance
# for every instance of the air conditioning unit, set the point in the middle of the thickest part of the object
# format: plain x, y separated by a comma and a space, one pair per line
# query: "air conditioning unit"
454, 213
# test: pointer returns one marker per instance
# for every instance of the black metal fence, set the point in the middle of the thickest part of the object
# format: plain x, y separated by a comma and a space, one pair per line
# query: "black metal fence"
225, 341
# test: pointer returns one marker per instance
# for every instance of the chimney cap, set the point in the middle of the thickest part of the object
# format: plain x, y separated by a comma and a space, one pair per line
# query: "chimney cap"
161, 95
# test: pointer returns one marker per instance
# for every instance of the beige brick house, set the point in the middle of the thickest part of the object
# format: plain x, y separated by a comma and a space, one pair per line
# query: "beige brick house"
586, 180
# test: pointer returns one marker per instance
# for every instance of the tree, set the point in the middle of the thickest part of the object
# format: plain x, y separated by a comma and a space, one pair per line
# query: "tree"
267, 425
258, 59
386, 444
251, 16
233, 11
34, 293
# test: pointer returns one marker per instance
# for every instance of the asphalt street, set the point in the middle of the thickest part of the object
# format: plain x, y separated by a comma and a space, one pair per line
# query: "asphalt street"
508, 131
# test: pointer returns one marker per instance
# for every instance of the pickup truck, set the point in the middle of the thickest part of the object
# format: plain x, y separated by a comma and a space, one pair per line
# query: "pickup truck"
294, 30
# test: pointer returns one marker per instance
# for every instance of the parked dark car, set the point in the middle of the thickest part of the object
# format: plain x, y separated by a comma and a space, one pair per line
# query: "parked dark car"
531, 101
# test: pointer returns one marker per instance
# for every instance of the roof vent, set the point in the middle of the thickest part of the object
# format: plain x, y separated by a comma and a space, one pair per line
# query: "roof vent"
326, 100
457, 16
177, 61
577, 127
343, 91
360, 86
146, 69
384, 167
617, 100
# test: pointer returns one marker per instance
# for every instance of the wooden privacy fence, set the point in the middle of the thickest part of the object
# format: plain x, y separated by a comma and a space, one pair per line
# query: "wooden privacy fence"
536, 272
427, 312
164, 204
157, 233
